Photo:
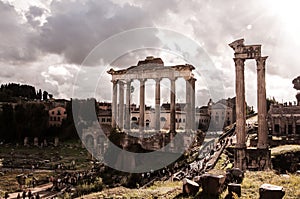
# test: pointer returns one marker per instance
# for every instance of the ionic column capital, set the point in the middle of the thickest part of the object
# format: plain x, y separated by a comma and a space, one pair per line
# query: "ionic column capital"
121, 82
142, 80
128, 81
114, 81
157, 80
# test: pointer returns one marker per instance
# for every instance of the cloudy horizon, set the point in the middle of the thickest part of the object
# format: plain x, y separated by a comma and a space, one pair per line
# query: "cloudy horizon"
44, 43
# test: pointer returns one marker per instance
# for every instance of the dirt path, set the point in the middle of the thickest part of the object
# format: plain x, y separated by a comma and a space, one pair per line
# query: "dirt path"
39, 189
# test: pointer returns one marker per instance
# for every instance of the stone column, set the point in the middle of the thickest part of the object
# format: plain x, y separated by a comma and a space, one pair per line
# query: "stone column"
173, 106
193, 80
157, 104
240, 147
188, 105
280, 125
240, 103
294, 126
114, 104
261, 104
121, 105
142, 105
127, 109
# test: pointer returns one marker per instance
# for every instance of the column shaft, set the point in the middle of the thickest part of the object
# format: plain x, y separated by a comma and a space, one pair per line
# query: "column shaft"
142, 105
261, 104
188, 105
157, 104
240, 148
173, 106
127, 109
240, 103
121, 105
114, 104
193, 126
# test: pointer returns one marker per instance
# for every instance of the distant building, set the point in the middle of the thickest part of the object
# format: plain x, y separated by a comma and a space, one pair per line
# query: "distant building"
104, 105
284, 119
215, 116
56, 116
104, 116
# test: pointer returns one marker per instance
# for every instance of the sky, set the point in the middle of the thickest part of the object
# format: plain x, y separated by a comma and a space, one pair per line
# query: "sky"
49, 43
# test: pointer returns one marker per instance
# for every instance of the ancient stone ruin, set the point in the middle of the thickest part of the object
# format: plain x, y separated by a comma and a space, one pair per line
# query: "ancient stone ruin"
243, 158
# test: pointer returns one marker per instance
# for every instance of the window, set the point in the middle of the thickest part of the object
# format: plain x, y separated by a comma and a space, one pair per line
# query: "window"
163, 119
134, 119
108, 120
102, 119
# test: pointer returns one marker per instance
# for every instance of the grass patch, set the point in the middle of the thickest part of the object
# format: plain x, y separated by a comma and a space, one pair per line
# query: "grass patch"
253, 180
285, 149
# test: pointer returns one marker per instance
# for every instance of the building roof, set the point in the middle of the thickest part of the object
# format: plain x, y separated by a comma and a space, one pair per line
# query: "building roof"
280, 109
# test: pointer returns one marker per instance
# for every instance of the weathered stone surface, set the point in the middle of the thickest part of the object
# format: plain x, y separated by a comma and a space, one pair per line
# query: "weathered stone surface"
243, 52
236, 188
190, 187
268, 191
212, 184
235, 175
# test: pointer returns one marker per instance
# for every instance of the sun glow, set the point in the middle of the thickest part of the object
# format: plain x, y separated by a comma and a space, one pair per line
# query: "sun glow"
287, 11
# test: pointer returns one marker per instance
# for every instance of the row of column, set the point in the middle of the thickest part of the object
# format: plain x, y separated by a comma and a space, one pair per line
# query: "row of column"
241, 109
190, 104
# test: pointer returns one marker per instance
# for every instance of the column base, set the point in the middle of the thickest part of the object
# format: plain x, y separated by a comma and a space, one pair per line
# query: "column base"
258, 159
240, 160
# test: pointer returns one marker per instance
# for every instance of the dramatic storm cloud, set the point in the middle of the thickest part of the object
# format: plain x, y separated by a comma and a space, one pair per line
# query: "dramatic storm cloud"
44, 42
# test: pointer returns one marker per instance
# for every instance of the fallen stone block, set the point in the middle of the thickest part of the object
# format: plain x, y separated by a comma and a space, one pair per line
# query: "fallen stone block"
267, 191
212, 184
235, 188
190, 187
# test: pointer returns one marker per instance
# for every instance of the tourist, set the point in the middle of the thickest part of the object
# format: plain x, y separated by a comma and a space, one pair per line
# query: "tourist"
29, 194
24, 194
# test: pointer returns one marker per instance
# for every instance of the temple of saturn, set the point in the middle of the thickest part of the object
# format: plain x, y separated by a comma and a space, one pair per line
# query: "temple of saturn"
258, 158
151, 68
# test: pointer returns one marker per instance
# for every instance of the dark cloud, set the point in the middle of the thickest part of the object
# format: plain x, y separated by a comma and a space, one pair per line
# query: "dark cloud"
71, 29
15, 37
75, 28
